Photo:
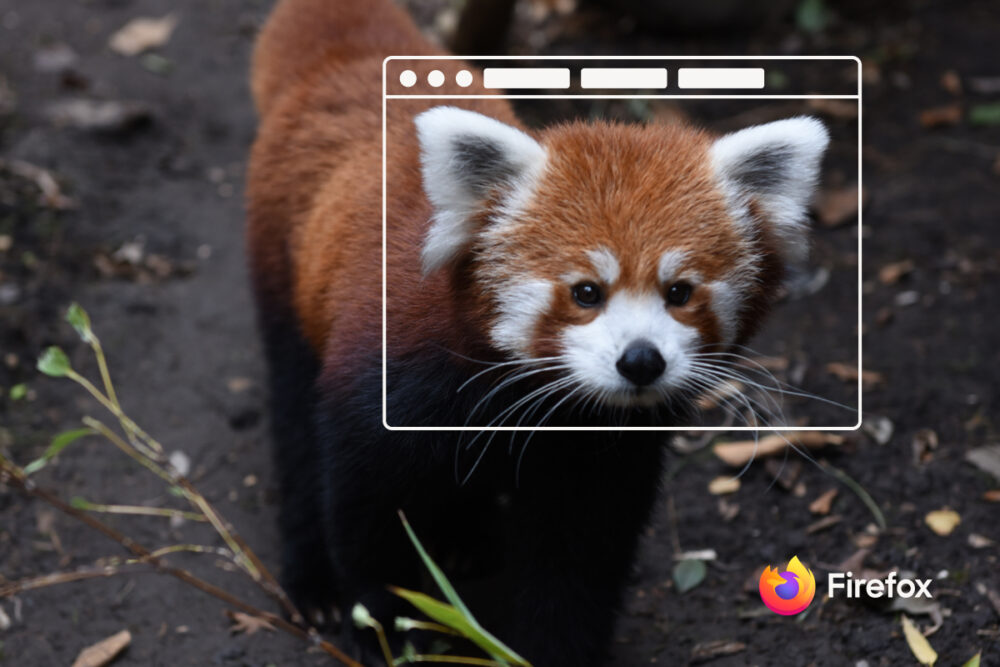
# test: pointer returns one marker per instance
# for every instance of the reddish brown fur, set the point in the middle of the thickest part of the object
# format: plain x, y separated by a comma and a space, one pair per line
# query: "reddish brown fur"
315, 195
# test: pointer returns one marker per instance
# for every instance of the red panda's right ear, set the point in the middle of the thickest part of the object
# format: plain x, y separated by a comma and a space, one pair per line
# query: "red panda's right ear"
465, 157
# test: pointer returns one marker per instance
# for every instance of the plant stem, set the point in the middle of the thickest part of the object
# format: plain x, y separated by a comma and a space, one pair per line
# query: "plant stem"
16, 476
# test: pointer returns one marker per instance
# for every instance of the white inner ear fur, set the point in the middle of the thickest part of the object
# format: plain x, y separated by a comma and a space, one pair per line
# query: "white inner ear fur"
464, 156
776, 165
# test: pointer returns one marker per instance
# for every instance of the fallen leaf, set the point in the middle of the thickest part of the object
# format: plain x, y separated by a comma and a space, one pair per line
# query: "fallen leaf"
891, 273
824, 523
977, 541
945, 116
925, 441
952, 82
727, 510
986, 459
738, 453
50, 194
974, 660
823, 503
992, 496
919, 646
943, 522
855, 562
879, 428
723, 485
98, 115
917, 606
836, 207
688, 573
247, 623
104, 651
706, 651
849, 373
142, 34
784, 473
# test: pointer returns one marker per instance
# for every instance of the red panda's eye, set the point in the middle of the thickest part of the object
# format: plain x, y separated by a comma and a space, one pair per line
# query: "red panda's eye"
587, 295
678, 294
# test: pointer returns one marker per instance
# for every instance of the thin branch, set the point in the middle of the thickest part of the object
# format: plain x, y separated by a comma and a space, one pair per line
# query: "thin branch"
17, 478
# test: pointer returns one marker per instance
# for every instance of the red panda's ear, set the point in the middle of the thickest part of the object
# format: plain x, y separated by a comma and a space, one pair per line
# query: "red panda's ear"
776, 166
466, 156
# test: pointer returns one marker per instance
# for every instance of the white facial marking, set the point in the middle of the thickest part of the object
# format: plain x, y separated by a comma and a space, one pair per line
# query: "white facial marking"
605, 263
670, 265
519, 306
776, 165
727, 305
592, 350
463, 156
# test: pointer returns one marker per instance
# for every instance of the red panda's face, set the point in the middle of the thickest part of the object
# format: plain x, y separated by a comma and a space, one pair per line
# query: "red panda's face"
625, 254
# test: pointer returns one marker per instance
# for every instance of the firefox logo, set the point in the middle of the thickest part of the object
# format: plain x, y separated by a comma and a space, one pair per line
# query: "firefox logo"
789, 591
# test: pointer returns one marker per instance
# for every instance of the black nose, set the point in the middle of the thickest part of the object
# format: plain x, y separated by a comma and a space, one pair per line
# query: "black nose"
641, 363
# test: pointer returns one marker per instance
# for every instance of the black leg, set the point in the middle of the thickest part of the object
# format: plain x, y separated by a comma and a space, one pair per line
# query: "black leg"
307, 574
575, 528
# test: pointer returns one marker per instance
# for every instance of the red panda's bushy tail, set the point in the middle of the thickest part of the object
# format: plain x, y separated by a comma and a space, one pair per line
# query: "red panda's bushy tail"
301, 36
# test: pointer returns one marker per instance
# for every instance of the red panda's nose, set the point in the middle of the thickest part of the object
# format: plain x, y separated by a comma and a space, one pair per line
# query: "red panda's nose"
641, 363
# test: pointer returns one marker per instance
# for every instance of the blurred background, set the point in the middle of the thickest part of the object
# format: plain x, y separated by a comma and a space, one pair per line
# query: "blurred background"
122, 157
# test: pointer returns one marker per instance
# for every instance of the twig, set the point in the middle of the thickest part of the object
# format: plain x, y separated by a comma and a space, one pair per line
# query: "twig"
17, 479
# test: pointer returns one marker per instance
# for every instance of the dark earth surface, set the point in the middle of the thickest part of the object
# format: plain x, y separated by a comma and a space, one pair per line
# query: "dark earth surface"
177, 322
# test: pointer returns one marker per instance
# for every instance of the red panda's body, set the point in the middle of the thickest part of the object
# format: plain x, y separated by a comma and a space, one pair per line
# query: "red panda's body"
610, 261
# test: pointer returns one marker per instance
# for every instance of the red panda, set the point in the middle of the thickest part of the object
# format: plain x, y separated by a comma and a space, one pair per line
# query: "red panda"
604, 258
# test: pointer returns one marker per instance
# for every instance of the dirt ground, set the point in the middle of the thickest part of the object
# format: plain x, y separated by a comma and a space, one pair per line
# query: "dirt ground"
151, 246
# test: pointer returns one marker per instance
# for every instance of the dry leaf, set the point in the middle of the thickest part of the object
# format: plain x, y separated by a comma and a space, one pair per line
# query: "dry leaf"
723, 485
103, 651
918, 644
711, 650
50, 194
247, 623
836, 207
986, 459
977, 541
941, 116
943, 522
823, 503
824, 523
849, 373
891, 273
992, 496
142, 34
737, 453
925, 441
879, 428
951, 82
98, 115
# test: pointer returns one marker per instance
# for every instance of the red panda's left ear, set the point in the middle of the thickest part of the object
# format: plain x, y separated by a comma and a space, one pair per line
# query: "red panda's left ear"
776, 166
465, 157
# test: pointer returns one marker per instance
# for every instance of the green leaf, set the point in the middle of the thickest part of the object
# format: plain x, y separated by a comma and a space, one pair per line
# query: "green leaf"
80, 320
54, 363
985, 114
442, 581
453, 617
974, 660
812, 16
79, 502
59, 443
688, 574
18, 391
